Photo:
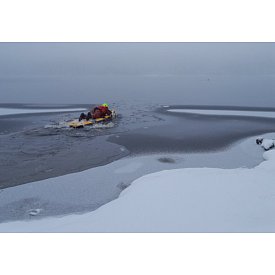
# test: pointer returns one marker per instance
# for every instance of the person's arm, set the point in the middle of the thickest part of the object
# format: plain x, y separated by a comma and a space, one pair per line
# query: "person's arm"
94, 109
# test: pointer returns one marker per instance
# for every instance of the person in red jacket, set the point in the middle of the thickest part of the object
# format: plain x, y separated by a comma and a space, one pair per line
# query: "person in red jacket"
97, 112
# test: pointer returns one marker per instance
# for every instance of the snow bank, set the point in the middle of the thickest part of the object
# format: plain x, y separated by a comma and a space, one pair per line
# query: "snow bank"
180, 200
224, 112
268, 143
87, 190
13, 111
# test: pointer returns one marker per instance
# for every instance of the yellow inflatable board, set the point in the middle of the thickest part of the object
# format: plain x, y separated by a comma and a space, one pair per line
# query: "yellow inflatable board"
80, 124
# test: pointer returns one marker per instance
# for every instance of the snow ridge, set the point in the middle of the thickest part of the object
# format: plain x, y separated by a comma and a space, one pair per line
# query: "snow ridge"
179, 200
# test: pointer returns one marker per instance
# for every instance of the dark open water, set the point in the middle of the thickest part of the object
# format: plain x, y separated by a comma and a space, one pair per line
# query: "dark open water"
39, 146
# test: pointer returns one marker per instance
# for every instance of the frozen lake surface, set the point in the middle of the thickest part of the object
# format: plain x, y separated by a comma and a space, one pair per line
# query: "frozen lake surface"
239, 199
40, 147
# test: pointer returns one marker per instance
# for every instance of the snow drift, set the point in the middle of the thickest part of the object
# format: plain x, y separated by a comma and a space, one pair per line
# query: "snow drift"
180, 200
266, 143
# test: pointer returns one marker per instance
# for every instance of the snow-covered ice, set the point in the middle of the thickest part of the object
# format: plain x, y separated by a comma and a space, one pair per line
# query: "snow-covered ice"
129, 168
13, 111
179, 200
225, 112
268, 143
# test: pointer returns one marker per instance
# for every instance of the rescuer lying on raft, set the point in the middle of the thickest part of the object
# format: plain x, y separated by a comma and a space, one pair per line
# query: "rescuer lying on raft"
97, 112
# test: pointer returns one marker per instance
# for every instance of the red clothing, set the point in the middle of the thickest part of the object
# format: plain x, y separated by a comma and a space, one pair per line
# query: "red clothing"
104, 110
101, 111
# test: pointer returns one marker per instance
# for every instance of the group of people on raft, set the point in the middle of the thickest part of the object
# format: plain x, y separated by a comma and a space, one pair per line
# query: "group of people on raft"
100, 111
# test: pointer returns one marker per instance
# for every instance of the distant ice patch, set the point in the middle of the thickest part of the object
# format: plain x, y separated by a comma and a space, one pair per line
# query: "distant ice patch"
14, 111
34, 212
225, 112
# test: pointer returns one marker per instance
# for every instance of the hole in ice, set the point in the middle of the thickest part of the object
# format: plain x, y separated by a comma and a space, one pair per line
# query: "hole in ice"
166, 160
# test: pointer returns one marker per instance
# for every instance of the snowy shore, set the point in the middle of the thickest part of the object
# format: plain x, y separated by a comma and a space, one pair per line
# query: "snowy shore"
179, 200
